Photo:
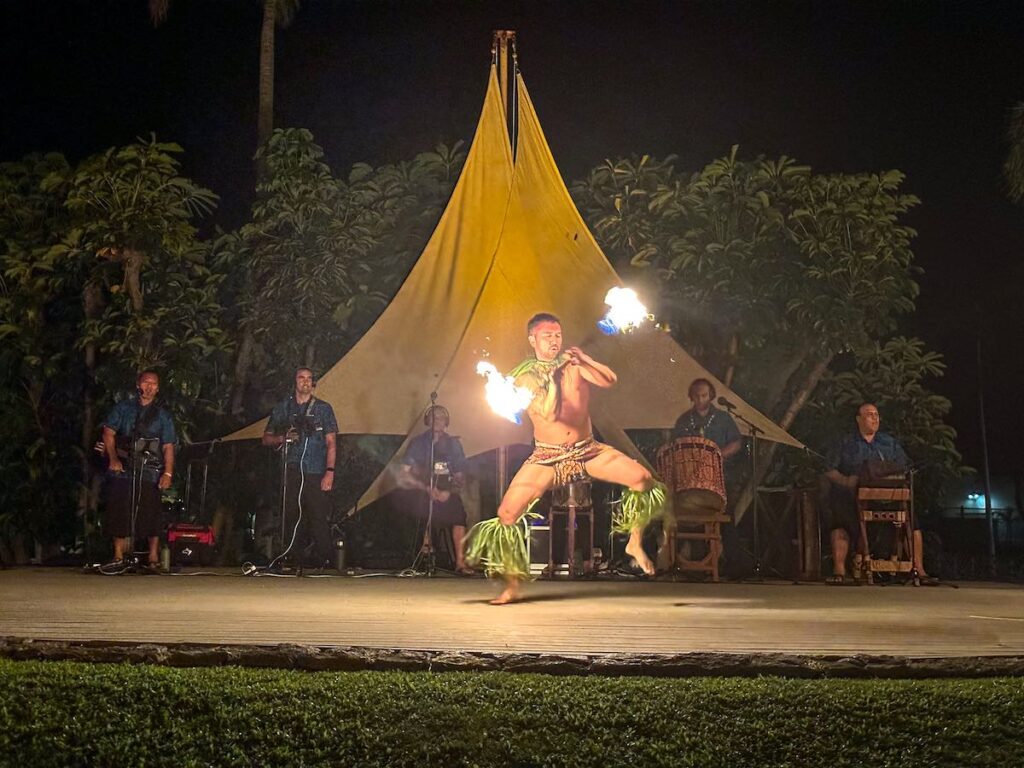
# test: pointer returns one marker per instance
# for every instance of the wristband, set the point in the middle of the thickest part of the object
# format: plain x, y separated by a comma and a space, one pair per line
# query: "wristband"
329, 469
168, 474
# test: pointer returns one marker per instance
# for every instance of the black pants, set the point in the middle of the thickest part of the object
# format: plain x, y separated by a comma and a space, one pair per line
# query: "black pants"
117, 517
313, 544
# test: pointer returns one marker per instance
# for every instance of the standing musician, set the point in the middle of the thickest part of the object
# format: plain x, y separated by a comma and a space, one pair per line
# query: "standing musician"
137, 417
307, 429
565, 450
707, 421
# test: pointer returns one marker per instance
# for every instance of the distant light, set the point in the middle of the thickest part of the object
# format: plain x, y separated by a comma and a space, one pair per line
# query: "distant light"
973, 496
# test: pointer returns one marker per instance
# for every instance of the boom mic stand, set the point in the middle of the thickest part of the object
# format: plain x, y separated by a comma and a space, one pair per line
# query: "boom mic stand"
754, 431
284, 448
427, 549
145, 453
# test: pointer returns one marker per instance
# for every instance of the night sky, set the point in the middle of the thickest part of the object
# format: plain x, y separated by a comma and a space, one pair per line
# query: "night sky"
924, 87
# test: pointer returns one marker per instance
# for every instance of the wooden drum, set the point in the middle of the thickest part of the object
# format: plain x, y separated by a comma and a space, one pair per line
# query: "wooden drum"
692, 469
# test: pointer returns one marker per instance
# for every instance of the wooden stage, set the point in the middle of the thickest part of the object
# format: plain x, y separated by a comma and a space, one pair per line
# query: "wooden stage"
567, 618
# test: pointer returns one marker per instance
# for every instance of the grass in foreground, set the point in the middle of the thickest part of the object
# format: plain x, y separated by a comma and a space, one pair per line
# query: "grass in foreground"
72, 714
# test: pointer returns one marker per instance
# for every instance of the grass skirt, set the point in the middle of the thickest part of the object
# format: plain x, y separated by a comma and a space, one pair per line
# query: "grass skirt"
501, 549
638, 508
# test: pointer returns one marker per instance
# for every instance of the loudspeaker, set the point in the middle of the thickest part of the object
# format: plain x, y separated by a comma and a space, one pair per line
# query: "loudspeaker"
540, 537
190, 544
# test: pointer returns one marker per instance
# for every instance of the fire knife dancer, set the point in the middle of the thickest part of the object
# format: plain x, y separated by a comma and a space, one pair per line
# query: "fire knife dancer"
565, 450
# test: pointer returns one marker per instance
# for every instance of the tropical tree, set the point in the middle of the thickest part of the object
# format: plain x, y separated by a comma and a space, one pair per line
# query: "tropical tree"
894, 375
321, 255
123, 267
276, 13
762, 259
39, 316
766, 271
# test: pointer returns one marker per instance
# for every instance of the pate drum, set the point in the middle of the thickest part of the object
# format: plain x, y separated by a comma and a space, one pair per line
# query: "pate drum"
692, 469
576, 492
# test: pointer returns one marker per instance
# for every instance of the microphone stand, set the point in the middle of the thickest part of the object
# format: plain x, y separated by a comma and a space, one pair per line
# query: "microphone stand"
283, 449
754, 431
427, 549
284, 487
140, 457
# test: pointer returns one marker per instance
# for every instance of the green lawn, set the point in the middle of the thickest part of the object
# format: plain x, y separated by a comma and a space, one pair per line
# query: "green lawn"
73, 714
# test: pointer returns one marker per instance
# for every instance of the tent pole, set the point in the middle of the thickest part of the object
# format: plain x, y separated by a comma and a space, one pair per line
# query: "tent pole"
984, 457
501, 41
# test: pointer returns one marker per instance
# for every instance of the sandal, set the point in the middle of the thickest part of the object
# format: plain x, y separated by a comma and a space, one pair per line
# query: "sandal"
838, 580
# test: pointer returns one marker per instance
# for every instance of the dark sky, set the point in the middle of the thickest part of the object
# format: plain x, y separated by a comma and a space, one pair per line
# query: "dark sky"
924, 87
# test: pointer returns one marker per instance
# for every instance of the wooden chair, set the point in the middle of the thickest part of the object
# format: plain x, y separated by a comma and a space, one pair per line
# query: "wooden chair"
698, 526
890, 506
572, 501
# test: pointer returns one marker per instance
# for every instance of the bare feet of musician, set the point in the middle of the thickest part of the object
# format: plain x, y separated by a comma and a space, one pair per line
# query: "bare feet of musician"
635, 550
510, 594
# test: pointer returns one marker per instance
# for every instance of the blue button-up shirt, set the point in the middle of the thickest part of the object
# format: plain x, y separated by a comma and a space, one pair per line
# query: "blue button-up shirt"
718, 426
448, 449
311, 447
853, 450
156, 423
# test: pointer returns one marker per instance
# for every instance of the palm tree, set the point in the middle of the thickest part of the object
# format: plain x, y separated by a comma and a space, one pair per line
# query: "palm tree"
276, 13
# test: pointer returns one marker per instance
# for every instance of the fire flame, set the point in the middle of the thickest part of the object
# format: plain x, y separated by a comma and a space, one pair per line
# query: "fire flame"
625, 311
505, 398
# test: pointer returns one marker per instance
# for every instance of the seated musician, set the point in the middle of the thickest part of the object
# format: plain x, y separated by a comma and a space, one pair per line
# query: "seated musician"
845, 463
707, 421
414, 481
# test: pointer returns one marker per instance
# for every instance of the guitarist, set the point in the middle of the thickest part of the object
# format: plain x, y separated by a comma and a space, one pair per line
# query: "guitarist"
129, 420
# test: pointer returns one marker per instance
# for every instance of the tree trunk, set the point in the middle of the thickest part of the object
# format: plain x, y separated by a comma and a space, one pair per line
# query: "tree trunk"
784, 371
133, 262
265, 124
805, 391
310, 355
732, 355
133, 278
767, 453
242, 364
92, 306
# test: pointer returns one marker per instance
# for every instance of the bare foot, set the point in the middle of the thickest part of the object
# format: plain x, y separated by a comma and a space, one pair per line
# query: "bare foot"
509, 595
636, 551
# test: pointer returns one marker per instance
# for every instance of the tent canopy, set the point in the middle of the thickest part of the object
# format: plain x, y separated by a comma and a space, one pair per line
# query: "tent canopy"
510, 243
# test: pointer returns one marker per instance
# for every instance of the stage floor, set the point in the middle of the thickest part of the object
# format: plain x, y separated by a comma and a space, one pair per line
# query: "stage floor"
566, 618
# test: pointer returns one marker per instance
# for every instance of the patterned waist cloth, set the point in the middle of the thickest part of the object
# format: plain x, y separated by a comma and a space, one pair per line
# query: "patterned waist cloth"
567, 459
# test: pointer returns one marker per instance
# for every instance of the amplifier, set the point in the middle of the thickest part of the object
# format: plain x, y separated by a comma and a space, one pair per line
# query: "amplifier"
190, 544
538, 544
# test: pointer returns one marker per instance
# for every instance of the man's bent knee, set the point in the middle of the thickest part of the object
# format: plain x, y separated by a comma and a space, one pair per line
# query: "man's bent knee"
645, 481
508, 515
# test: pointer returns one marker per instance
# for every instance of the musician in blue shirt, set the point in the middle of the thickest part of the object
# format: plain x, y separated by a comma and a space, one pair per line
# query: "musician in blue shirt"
844, 465
415, 486
305, 428
705, 420
129, 420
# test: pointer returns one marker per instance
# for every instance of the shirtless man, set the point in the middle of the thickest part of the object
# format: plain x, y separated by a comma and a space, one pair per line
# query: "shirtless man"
565, 450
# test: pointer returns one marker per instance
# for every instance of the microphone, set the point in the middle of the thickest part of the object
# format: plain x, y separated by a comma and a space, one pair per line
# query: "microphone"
725, 403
